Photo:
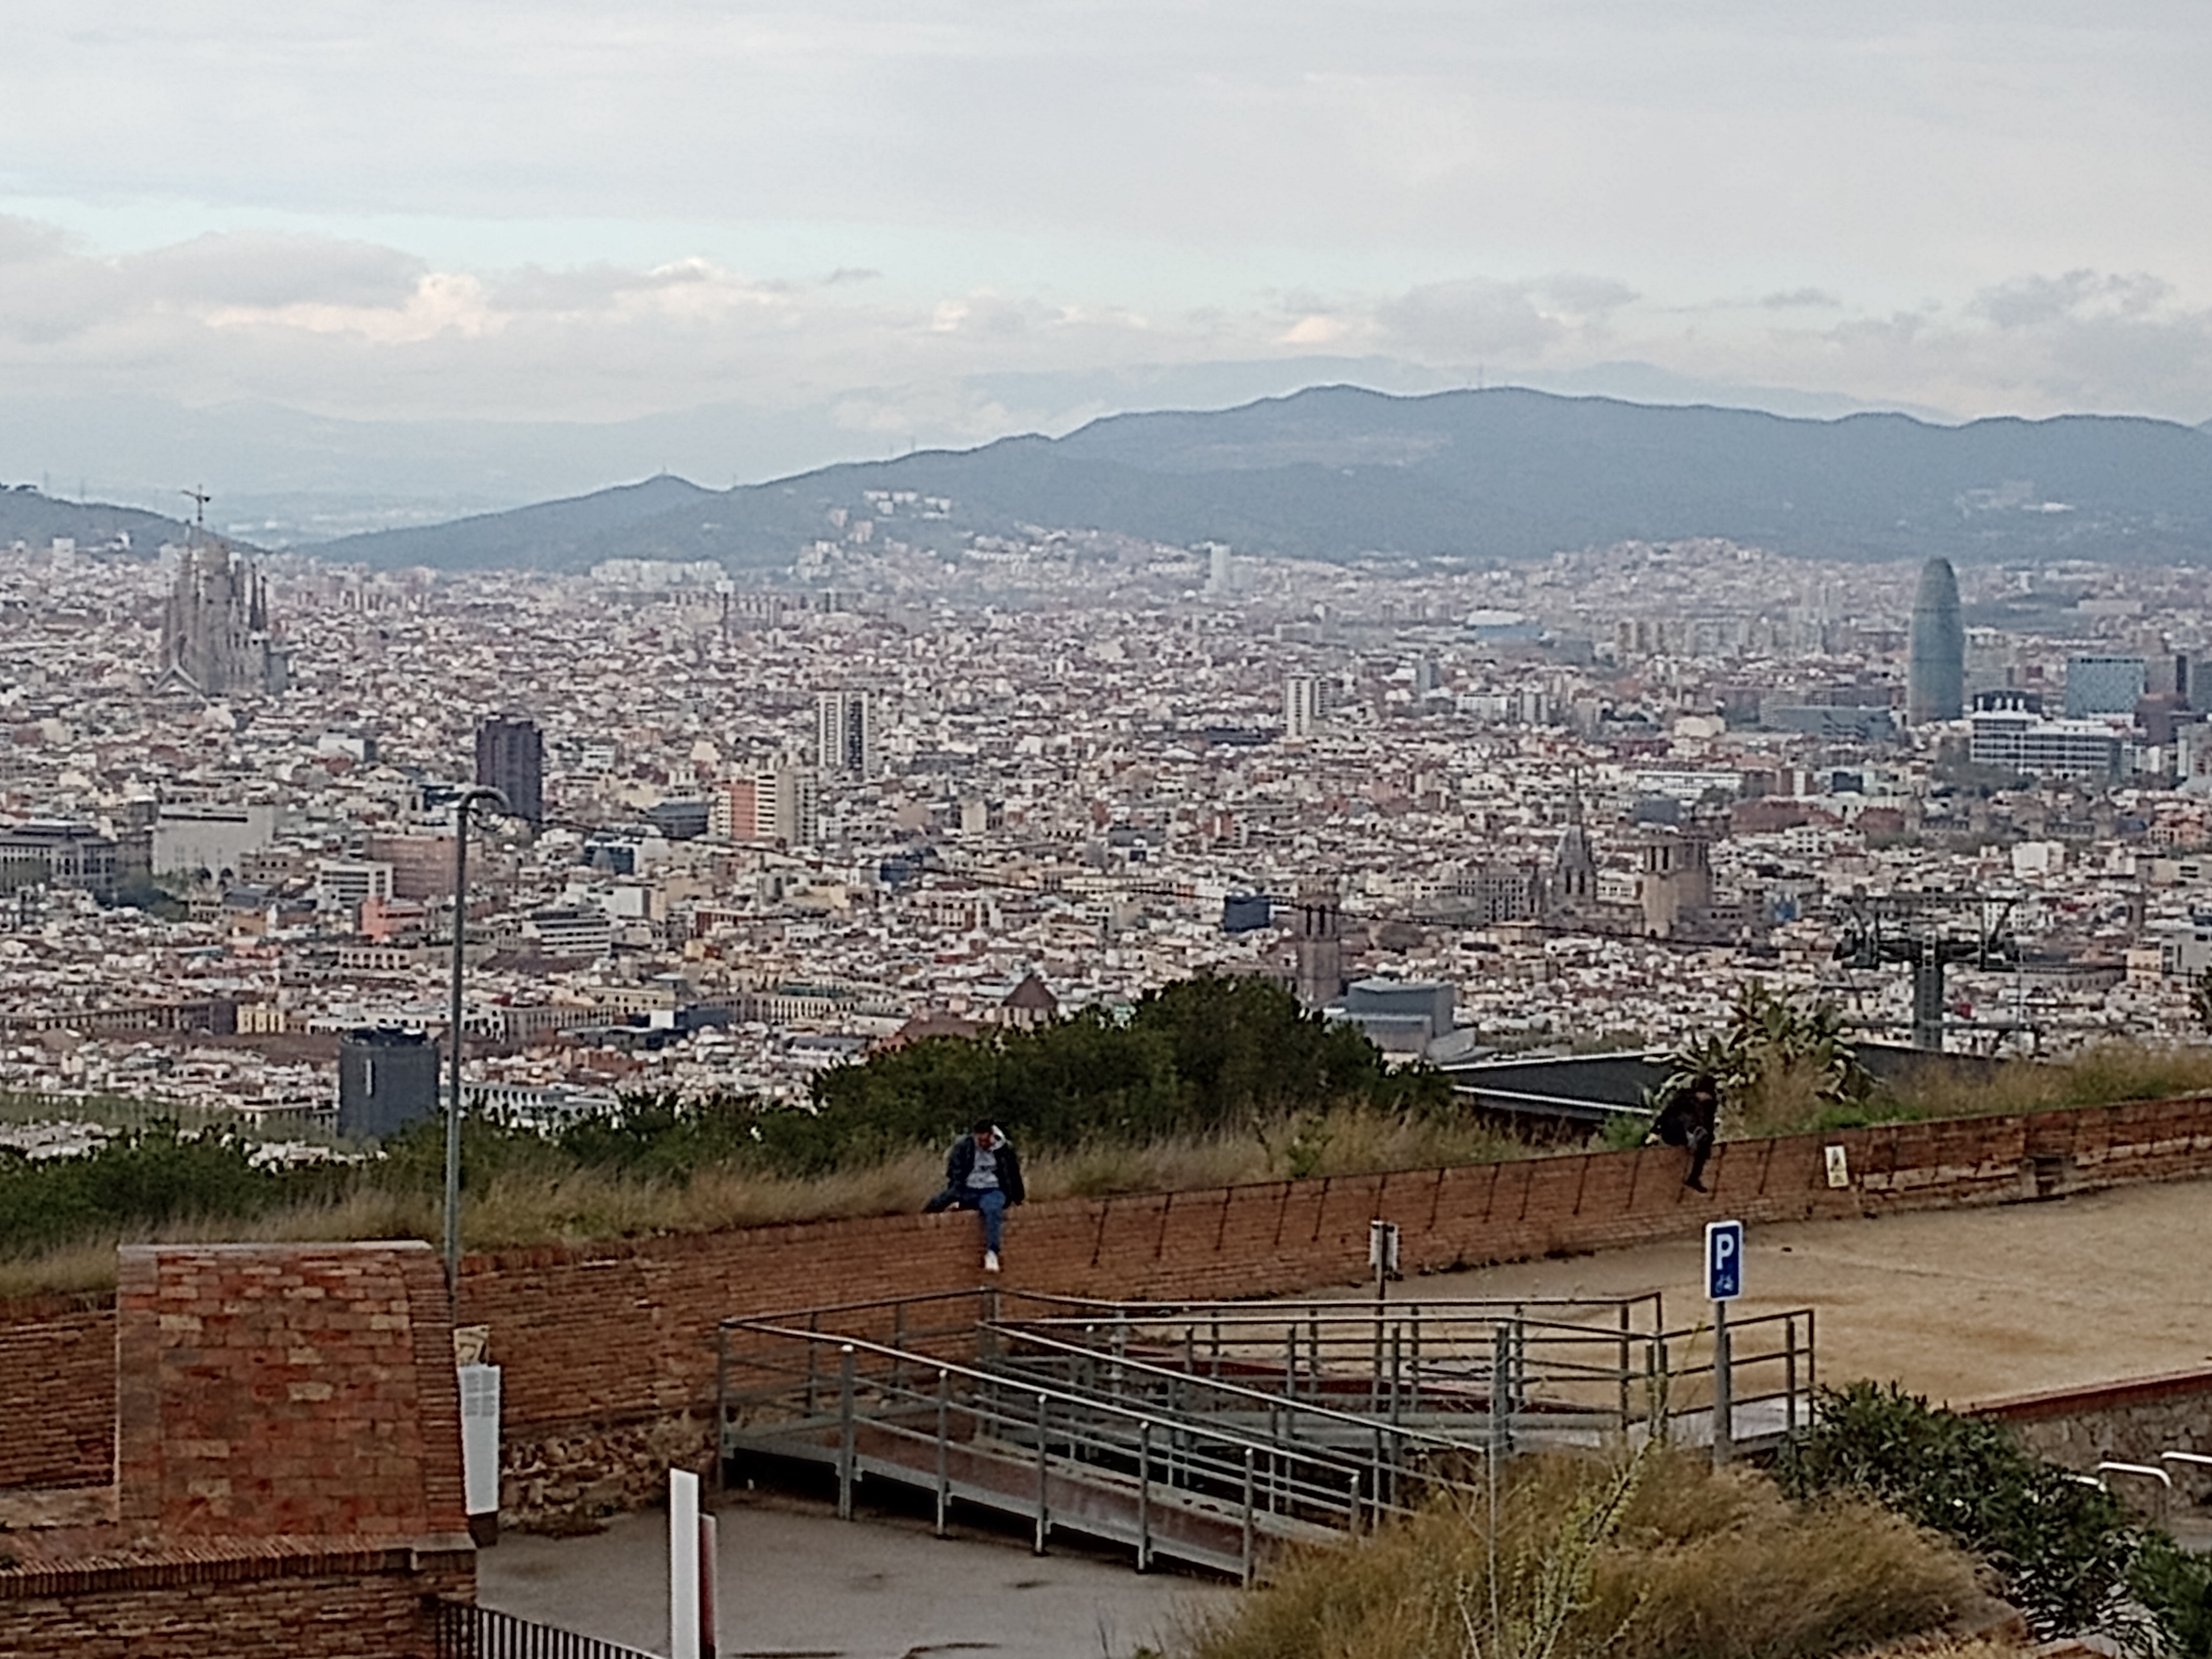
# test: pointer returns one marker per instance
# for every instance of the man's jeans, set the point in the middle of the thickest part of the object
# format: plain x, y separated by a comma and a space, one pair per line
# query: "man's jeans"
990, 1203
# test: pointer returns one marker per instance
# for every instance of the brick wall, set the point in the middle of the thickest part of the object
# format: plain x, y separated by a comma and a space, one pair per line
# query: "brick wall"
56, 1392
608, 1350
306, 1391
243, 1603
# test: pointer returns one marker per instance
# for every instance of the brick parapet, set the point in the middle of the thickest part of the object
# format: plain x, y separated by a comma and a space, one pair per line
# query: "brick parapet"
260, 1599
611, 1345
282, 1389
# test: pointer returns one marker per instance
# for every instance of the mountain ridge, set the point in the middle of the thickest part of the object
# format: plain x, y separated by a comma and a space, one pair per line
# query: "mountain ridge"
1335, 472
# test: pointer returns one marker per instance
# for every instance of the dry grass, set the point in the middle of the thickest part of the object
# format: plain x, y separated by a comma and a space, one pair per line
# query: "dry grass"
579, 1207
1657, 1558
2098, 1076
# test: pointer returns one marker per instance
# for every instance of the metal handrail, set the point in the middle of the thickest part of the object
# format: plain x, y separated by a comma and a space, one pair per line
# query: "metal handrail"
1298, 1411
1149, 1312
1362, 1422
1067, 1396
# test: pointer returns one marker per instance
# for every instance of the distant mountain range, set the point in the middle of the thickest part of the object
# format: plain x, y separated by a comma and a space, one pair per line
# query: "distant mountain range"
1333, 473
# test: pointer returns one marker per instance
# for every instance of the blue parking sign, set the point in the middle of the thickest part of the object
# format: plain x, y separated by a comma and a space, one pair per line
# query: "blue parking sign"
1723, 1260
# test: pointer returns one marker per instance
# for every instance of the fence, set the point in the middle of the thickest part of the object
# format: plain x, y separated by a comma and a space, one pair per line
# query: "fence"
1214, 1431
468, 1631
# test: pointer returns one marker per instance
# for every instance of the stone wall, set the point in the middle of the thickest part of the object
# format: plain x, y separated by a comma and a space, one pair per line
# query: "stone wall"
2122, 1422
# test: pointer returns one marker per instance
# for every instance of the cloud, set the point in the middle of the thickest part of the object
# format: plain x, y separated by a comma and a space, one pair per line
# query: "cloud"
26, 241
1800, 298
1479, 318
2026, 301
345, 326
1584, 296
269, 270
1469, 317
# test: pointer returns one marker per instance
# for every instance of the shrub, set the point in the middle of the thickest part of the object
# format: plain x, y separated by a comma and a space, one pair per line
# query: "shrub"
140, 1179
2174, 1586
1651, 1557
2060, 1547
1197, 1057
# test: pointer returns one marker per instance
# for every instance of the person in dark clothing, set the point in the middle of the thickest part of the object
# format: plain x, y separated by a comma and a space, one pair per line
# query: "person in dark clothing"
981, 1173
1691, 1119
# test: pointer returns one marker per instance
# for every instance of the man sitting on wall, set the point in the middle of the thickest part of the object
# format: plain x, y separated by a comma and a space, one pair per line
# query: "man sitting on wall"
982, 1173
1692, 1118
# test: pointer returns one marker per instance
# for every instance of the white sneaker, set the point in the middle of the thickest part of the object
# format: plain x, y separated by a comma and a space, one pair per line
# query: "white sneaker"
990, 1262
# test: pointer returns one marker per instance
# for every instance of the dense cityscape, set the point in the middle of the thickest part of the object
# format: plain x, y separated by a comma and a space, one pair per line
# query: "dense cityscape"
760, 829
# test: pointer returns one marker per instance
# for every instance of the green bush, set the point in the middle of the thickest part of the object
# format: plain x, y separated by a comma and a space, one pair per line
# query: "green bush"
1196, 1057
2061, 1548
143, 1179
2174, 1586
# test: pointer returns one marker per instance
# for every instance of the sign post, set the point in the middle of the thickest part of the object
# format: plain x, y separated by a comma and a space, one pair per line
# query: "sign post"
1382, 1256
1723, 1284
682, 1565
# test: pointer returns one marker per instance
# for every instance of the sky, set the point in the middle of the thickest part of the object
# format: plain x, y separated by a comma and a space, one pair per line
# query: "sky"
898, 220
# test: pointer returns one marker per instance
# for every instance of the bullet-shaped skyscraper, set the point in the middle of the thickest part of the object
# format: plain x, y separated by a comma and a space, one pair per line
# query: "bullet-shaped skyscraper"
1936, 680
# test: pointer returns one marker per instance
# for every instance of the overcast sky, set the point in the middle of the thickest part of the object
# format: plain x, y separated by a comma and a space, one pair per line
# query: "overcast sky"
483, 208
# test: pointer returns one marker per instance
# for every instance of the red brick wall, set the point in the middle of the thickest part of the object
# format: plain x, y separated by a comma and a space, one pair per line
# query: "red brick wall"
56, 1393
298, 1389
597, 1342
608, 1350
262, 1605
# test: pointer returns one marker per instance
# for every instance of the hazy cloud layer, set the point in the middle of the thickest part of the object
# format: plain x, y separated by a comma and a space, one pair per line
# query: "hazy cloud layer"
576, 211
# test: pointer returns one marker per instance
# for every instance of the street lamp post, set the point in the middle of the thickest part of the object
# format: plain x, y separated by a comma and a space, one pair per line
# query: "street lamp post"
497, 802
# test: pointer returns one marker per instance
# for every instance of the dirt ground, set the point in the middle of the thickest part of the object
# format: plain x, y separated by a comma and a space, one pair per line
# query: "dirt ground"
1959, 1305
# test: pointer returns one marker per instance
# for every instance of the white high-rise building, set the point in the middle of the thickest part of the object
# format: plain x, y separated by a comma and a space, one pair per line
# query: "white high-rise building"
788, 799
845, 733
1220, 570
778, 802
1302, 706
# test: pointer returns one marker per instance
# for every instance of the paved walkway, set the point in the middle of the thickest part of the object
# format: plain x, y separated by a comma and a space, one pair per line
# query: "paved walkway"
796, 1581
1960, 1305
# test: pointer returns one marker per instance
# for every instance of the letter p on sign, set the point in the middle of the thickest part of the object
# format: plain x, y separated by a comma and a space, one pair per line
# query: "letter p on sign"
1723, 1260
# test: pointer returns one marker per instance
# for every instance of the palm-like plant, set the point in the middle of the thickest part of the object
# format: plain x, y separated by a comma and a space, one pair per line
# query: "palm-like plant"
1778, 1061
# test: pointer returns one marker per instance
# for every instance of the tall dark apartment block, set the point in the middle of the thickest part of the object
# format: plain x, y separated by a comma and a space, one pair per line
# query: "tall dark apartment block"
1936, 675
387, 1079
510, 758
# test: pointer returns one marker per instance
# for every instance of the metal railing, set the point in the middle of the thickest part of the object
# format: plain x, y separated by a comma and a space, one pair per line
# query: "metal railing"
1211, 1492
466, 1631
1207, 1430
1567, 1365
1771, 1375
